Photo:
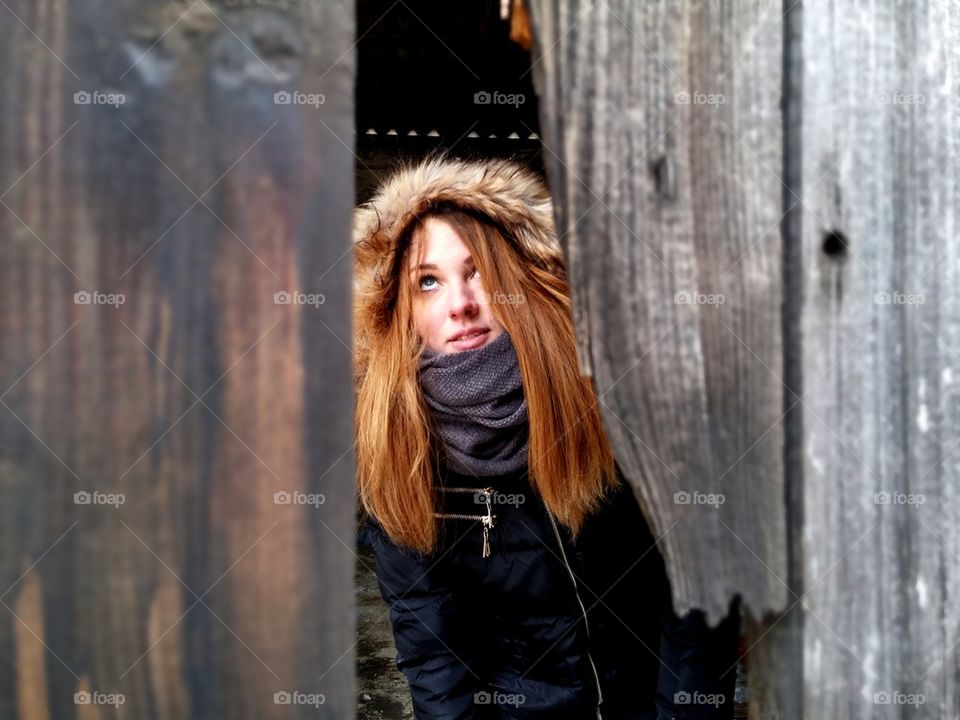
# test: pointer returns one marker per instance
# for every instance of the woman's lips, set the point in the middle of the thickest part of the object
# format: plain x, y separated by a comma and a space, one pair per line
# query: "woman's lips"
471, 342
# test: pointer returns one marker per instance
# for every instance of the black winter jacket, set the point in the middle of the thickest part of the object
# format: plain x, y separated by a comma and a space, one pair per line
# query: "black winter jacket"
544, 627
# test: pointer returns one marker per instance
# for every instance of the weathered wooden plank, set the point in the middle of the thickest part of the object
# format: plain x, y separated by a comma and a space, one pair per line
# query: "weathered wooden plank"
775, 646
881, 347
199, 396
661, 127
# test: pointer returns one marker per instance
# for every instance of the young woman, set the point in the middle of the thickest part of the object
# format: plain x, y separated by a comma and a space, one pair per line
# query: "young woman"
521, 578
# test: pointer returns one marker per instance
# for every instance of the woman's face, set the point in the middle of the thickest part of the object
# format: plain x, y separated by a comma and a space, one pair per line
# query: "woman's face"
451, 309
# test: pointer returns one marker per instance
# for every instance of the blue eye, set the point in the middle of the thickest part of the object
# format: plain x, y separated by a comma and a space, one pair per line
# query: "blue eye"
424, 279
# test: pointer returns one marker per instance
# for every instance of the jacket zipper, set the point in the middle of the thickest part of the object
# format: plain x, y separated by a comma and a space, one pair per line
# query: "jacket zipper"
576, 592
488, 520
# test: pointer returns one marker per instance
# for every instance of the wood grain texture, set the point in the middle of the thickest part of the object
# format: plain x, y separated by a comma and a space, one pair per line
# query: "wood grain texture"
881, 358
198, 397
856, 530
661, 127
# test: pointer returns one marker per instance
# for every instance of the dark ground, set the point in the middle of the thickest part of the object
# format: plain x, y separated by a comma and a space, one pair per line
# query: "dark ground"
382, 692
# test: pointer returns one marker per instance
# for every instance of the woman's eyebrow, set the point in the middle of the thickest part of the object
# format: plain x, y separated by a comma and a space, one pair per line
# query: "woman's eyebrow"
430, 266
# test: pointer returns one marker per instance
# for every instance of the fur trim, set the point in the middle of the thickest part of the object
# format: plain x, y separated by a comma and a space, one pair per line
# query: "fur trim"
510, 195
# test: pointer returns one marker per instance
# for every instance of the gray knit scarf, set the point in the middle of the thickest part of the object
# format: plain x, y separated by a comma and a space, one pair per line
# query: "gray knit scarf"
478, 408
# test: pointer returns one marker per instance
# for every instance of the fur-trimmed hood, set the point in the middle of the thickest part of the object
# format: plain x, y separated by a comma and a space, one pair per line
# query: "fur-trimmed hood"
510, 195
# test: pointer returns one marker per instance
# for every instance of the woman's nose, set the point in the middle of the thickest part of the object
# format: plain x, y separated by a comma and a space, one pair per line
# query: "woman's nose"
463, 302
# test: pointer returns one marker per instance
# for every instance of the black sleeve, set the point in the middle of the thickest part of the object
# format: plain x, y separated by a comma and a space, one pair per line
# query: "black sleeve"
698, 674
623, 588
434, 629
686, 667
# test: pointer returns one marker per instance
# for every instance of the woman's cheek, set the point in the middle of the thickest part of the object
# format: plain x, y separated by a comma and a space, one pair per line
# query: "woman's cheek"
434, 320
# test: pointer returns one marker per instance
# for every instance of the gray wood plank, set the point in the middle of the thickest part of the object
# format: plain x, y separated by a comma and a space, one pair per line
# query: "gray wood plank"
880, 358
661, 128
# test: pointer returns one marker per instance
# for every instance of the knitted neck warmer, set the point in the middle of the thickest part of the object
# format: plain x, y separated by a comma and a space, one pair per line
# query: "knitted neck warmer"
478, 408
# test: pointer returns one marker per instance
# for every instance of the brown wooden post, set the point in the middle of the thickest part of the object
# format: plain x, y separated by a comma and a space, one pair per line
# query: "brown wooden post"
155, 196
